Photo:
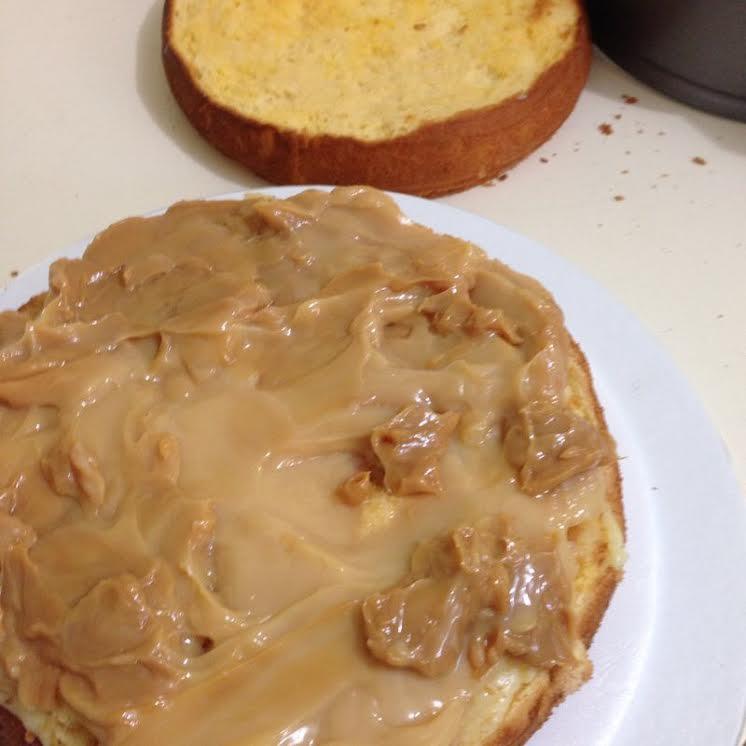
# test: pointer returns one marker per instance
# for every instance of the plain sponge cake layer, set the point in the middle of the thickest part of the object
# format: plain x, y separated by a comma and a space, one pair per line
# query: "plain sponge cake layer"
371, 70
424, 97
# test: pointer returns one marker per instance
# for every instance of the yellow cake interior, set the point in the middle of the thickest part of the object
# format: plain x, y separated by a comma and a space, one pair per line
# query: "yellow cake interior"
369, 70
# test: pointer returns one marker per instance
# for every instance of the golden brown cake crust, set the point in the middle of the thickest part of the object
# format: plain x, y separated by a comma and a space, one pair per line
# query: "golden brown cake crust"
438, 158
12, 732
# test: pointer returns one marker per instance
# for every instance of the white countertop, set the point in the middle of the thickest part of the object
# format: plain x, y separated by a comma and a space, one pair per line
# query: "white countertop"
89, 133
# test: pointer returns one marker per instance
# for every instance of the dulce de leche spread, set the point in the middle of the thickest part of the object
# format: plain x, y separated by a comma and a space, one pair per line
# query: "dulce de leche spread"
284, 472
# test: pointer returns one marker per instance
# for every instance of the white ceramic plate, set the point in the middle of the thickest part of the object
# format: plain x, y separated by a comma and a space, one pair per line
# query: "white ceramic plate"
670, 656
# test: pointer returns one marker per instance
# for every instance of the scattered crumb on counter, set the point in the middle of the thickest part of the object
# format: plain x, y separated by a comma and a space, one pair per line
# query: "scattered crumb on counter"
661, 132
544, 160
627, 152
625, 171
720, 316
599, 225
699, 160
605, 128
14, 273
629, 99
617, 116
618, 198
493, 182
663, 176
640, 132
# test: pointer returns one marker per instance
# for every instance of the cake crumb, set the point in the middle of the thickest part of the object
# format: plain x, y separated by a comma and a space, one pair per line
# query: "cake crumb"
629, 99
618, 198
14, 273
699, 160
625, 171
605, 128
544, 160
493, 182
617, 116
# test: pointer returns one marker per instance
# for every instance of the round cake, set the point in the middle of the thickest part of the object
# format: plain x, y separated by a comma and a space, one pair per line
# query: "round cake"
428, 97
300, 472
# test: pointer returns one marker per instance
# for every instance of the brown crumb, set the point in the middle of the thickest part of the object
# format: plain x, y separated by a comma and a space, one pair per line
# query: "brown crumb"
699, 160
617, 116
661, 132
605, 128
629, 99
627, 152
419, 26
502, 177
14, 273
625, 171
618, 198
720, 316
463, 28
640, 132
544, 160
663, 176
